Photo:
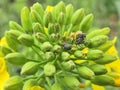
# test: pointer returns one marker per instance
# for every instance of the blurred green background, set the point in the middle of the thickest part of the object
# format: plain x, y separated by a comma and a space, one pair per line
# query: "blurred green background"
106, 13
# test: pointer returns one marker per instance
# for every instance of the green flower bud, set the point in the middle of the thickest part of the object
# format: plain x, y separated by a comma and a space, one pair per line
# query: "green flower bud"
29, 68
60, 7
69, 13
98, 40
51, 28
16, 58
69, 65
38, 8
48, 18
49, 56
57, 28
14, 83
57, 48
61, 18
46, 46
49, 69
103, 80
77, 16
36, 17
26, 40
56, 86
79, 54
54, 28
98, 69
94, 54
86, 23
71, 82
29, 83
10, 41
13, 34
5, 50
40, 37
85, 72
104, 47
15, 26
107, 58
97, 32
37, 28
65, 56
26, 19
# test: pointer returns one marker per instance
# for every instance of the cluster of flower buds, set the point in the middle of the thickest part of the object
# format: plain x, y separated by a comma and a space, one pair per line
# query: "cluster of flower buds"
57, 50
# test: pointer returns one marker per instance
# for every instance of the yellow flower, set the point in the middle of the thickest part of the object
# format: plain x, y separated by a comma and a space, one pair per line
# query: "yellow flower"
36, 88
49, 8
97, 87
115, 66
3, 71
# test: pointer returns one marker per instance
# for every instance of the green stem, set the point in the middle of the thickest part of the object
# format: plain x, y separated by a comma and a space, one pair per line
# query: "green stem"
43, 62
55, 77
55, 59
48, 81
30, 77
61, 67
37, 46
36, 52
42, 73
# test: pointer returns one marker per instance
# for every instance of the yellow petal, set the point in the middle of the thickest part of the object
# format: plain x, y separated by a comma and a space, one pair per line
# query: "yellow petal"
49, 8
3, 41
97, 87
36, 88
117, 82
46, 30
3, 78
2, 65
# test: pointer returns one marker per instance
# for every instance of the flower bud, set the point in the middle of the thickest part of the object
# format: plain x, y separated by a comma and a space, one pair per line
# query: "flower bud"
57, 48
38, 8
48, 18
29, 68
15, 26
85, 72
40, 37
69, 65
69, 13
49, 69
98, 40
26, 40
94, 54
61, 18
16, 58
38, 28
86, 23
46, 46
104, 47
26, 19
107, 58
14, 83
103, 80
97, 32
60, 7
5, 50
71, 82
77, 16
36, 17
49, 56
65, 56
98, 69
79, 54
29, 83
